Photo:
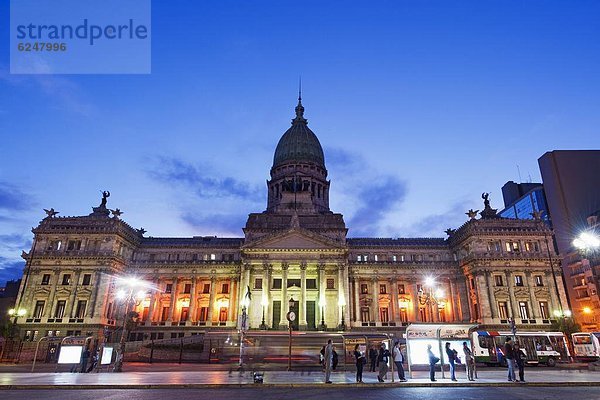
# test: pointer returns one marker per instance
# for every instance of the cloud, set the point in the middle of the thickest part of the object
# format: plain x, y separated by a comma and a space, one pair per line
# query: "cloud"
221, 224
338, 159
202, 181
13, 199
376, 199
10, 270
434, 225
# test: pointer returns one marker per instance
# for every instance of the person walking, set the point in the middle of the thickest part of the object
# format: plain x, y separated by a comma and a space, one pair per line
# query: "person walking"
509, 354
451, 353
520, 358
373, 358
432, 361
470, 361
360, 362
383, 358
398, 360
84, 360
328, 361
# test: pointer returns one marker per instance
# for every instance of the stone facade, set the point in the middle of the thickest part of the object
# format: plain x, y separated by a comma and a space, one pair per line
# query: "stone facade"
486, 271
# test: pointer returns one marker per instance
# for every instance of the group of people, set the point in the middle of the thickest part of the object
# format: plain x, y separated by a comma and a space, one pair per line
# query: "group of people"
453, 359
379, 360
514, 355
85, 365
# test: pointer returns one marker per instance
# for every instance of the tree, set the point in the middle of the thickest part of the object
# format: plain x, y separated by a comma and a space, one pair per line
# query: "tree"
568, 326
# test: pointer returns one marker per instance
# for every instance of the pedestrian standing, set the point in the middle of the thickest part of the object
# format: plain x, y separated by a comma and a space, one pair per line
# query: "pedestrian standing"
373, 358
451, 353
470, 361
398, 360
432, 361
383, 358
328, 360
520, 358
360, 362
84, 360
509, 354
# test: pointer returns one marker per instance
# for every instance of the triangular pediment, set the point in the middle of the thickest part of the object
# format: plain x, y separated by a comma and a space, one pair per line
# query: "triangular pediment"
296, 238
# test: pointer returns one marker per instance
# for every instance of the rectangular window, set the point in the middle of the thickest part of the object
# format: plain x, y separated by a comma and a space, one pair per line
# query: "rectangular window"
403, 314
376, 257
164, 314
66, 280
330, 283
401, 289
203, 314
532, 246
384, 314
54, 245
206, 288
38, 311
293, 283
258, 283
73, 245
213, 257
523, 310
394, 258
60, 309
80, 310
359, 258
503, 310
364, 288
544, 310
518, 280
382, 289
472, 281
311, 283
87, 279
539, 281
109, 311
169, 288
46, 279
422, 314
277, 283
187, 288
498, 281
225, 288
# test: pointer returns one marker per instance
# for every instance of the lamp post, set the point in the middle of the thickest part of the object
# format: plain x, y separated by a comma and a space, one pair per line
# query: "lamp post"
291, 317
588, 244
342, 304
243, 326
264, 302
15, 313
322, 327
132, 290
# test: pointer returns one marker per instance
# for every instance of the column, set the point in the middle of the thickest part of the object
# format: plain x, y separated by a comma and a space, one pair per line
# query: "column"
356, 301
394, 303
302, 317
152, 303
322, 298
283, 322
416, 303
346, 281
53, 283
452, 300
376, 302
173, 299
491, 300
233, 300
73, 297
96, 287
554, 305
341, 295
511, 295
211, 300
193, 300
530, 286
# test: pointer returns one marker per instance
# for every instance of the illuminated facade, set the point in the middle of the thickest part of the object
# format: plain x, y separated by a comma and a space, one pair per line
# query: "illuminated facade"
486, 271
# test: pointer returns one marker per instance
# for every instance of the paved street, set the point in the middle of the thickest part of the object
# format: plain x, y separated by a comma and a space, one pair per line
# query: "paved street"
329, 393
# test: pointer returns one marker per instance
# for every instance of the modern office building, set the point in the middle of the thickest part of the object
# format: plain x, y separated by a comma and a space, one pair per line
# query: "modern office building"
521, 200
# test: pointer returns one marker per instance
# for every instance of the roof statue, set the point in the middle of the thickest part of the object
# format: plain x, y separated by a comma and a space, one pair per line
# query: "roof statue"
50, 213
488, 211
101, 210
116, 212
472, 214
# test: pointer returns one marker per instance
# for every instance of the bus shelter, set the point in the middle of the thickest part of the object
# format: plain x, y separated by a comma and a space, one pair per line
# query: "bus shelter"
418, 336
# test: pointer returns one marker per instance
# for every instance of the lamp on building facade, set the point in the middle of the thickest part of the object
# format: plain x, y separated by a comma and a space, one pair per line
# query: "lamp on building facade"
132, 290
244, 325
433, 297
342, 304
322, 327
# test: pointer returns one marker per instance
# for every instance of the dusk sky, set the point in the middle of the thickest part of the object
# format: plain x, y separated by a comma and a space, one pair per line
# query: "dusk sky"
420, 107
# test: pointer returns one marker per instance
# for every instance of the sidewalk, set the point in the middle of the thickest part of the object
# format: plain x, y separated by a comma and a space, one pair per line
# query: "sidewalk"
226, 379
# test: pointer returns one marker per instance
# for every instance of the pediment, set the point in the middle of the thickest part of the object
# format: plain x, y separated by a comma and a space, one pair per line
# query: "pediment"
296, 238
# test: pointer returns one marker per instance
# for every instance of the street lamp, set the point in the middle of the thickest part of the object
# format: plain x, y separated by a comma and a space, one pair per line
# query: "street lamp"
264, 302
342, 304
291, 317
15, 313
244, 324
132, 290
322, 327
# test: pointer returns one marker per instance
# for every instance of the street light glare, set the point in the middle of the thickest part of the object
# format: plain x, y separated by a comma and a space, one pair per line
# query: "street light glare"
567, 313
429, 281
587, 241
121, 294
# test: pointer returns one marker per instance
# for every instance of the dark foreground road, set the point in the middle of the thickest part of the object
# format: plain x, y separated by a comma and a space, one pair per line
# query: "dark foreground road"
331, 393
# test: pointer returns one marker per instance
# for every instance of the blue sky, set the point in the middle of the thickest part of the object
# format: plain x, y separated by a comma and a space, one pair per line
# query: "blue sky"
420, 106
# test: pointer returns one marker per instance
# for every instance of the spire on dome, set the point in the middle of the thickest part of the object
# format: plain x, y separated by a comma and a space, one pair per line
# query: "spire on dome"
299, 108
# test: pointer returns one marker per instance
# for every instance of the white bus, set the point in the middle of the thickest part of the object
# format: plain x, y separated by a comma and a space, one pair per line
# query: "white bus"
586, 345
540, 347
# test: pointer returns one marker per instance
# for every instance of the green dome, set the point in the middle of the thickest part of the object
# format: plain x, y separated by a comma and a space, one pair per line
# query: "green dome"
299, 143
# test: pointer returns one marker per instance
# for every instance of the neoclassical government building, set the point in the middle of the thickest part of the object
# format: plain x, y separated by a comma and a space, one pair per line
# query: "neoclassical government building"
486, 271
